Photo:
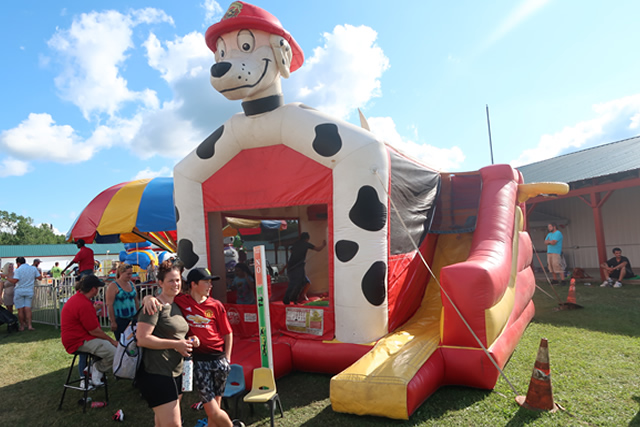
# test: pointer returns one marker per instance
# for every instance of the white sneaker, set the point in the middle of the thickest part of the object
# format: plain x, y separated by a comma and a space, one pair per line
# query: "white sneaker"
617, 285
96, 376
89, 386
606, 283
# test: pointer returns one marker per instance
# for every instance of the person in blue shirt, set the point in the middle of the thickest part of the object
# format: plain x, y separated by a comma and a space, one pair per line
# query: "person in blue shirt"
554, 251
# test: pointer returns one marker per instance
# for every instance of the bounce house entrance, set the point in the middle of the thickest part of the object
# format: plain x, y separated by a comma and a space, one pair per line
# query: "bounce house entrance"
278, 230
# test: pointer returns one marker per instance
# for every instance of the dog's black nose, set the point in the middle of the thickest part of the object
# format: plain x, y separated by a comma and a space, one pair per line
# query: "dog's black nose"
220, 69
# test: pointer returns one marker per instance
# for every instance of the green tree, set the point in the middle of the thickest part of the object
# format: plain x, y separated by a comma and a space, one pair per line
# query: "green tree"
19, 230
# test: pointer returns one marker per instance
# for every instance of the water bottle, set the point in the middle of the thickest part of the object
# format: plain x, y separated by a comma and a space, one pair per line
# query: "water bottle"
187, 375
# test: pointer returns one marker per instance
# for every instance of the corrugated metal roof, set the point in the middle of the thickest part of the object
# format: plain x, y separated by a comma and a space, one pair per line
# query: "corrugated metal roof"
607, 159
12, 251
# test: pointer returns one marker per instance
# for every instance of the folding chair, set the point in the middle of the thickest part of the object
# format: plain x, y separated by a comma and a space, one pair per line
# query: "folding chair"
263, 390
235, 386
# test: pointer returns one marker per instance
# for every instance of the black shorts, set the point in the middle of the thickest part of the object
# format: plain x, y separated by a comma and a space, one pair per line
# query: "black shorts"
615, 274
158, 389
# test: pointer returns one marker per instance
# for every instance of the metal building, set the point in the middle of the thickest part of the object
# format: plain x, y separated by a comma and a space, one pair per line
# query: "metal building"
600, 210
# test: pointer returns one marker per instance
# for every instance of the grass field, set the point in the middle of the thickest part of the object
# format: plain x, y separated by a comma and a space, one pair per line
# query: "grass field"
595, 371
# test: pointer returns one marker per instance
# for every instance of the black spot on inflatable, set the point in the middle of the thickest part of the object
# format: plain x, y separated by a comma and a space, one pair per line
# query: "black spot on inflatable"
368, 212
373, 283
177, 213
346, 250
186, 254
207, 148
327, 142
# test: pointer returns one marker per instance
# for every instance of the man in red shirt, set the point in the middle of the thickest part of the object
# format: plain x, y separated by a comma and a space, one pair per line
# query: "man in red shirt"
84, 259
81, 331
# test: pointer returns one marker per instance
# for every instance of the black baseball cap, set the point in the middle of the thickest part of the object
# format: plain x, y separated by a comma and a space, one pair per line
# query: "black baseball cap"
89, 282
198, 274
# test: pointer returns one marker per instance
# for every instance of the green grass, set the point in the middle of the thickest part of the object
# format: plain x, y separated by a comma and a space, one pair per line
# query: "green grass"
595, 371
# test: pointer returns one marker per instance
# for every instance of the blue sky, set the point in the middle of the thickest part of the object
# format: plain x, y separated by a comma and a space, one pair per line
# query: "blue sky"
98, 93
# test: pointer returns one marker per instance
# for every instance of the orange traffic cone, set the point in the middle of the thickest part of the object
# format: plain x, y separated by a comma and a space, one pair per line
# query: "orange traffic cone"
540, 397
571, 298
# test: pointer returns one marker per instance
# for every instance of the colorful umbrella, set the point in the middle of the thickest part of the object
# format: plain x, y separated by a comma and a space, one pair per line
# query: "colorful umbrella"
130, 212
250, 227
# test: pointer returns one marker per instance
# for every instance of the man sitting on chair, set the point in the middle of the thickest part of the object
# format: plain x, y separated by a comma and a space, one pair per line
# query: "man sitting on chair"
81, 331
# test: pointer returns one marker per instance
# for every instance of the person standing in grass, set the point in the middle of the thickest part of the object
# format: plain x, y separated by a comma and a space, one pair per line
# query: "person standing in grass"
122, 300
56, 273
554, 252
163, 336
618, 268
24, 278
213, 341
7, 288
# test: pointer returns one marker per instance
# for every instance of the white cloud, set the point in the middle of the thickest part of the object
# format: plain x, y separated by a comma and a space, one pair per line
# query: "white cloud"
184, 56
213, 11
615, 120
13, 167
150, 15
342, 75
92, 52
38, 137
195, 110
443, 159
148, 173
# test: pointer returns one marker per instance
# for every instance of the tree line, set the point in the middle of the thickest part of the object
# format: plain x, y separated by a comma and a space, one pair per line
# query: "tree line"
19, 230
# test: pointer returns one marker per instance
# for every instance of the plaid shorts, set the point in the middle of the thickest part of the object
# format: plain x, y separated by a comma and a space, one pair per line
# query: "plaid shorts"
211, 377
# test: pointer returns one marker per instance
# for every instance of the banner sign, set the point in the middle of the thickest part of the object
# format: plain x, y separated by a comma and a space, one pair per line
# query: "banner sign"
305, 320
262, 297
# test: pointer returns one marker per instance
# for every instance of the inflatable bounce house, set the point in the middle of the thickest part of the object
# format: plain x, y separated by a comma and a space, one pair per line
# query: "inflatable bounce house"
141, 254
427, 273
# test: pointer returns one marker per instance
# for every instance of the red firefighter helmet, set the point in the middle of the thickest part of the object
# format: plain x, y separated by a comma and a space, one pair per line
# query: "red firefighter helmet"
241, 15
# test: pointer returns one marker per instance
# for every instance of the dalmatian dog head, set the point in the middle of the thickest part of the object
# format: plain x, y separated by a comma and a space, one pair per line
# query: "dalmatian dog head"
252, 51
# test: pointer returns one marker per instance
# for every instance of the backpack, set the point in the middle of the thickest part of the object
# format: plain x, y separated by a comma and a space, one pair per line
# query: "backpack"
128, 356
10, 319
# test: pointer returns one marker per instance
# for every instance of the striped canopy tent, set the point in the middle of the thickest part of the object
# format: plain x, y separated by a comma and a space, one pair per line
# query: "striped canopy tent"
135, 211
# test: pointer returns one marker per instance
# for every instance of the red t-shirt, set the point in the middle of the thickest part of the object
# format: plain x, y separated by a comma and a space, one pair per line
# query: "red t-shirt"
84, 258
207, 320
77, 319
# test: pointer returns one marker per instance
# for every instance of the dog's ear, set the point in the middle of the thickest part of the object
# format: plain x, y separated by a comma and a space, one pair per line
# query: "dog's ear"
283, 54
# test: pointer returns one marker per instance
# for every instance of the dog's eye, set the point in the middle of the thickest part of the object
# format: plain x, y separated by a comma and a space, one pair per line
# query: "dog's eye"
246, 41
221, 50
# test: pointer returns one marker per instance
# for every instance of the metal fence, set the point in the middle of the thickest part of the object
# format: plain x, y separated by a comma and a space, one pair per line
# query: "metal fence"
49, 298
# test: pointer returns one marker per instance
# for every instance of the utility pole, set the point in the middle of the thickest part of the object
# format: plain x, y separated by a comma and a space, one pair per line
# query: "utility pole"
489, 128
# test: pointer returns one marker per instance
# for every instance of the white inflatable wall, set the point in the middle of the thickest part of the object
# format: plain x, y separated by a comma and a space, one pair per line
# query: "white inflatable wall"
361, 161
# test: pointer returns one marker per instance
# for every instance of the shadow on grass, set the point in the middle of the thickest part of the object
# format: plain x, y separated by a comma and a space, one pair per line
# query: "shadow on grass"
636, 420
523, 417
608, 310
35, 402
305, 398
